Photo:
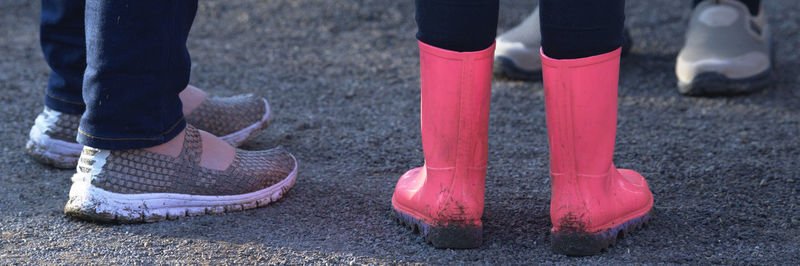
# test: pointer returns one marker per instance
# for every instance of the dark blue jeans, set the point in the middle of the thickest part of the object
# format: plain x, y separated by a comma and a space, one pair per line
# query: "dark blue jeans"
61, 33
122, 63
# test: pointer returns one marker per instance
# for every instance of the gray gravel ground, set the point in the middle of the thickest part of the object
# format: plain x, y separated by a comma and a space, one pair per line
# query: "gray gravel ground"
343, 79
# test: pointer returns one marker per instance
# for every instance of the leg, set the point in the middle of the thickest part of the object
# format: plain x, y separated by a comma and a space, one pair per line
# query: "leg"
53, 136
64, 46
460, 26
137, 64
517, 54
567, 25
142, 161
444, 198
591, 201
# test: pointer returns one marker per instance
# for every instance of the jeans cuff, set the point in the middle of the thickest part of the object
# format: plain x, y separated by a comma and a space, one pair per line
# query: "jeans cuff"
94, 140
64, 105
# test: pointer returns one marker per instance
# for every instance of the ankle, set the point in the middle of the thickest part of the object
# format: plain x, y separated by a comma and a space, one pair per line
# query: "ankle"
216, 153
191, 97
170, 148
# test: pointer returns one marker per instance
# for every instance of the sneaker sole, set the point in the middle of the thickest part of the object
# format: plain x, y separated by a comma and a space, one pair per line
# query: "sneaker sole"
88, 202
454, 236
585, 244
238, 138
716, 84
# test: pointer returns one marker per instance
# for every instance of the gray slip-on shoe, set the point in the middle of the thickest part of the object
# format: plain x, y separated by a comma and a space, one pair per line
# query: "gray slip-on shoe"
131, 186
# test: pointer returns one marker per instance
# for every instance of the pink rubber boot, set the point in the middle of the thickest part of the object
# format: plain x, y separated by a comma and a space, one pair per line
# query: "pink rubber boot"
444, 198
592, 201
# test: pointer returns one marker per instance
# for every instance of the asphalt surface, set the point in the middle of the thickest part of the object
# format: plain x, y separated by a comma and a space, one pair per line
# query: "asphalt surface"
342, 78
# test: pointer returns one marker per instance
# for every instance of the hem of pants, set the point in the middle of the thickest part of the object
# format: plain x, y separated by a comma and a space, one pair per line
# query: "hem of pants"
128, 143
63, 105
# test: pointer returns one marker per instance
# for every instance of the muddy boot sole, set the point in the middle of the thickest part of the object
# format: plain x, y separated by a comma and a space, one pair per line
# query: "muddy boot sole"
585, 244
454, 236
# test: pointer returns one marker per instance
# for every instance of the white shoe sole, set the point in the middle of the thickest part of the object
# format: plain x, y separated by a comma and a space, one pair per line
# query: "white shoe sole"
92, 203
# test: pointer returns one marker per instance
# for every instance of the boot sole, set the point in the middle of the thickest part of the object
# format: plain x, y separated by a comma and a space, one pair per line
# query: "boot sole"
87, 202
715, 84
453, 236
585, 244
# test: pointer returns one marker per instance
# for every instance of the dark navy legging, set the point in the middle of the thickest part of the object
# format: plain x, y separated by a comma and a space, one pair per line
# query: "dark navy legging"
569, 28
470, 25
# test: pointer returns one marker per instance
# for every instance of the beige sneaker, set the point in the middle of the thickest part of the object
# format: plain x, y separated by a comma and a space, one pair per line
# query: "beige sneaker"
727, 50
235, 119
140, 186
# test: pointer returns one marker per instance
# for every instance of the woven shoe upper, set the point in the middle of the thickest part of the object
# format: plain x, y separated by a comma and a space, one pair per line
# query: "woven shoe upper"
141, 171
224, 115
58, 125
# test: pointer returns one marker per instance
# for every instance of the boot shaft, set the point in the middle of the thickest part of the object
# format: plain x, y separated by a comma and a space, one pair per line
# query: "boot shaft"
581, 108
454, 113
454, 118
591, 200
